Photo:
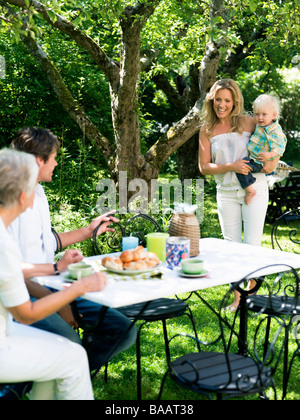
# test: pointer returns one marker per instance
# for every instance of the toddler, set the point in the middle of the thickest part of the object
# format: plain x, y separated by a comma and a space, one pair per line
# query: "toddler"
267, 143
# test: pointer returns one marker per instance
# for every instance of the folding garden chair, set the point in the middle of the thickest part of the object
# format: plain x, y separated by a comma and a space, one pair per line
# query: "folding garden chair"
227, 366
158, 310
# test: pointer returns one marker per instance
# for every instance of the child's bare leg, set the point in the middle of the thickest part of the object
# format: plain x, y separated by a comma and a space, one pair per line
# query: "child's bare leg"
250, 194
233, 307
251, 284
237, 297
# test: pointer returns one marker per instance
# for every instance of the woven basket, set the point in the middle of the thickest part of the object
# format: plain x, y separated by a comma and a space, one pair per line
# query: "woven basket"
185, 224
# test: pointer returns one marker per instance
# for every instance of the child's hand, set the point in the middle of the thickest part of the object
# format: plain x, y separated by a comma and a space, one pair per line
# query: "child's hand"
269, 167
263, 157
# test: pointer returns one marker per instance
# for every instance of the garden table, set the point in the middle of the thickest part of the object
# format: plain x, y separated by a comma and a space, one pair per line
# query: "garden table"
225, 261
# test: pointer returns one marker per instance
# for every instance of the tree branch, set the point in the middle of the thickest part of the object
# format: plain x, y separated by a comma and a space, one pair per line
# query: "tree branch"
142, 9
67, 100
175, 99
108, 66
174, 138
212, 56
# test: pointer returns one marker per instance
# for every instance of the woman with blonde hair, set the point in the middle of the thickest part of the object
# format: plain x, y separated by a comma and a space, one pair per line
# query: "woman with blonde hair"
223, 144
57, 367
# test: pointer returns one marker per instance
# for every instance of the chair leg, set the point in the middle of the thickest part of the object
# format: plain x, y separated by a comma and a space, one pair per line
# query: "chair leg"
286, 372
106, 373
138, 363
166, 341
190, 315
168, 356
138, 356
163, 384
266, 345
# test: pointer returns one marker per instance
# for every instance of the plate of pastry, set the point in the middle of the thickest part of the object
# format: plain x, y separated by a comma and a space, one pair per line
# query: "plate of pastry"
132, 262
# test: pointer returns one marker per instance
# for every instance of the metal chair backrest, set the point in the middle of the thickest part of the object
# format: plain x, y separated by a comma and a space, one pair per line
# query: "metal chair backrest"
138, 225
285, 234
59, 247
244, 368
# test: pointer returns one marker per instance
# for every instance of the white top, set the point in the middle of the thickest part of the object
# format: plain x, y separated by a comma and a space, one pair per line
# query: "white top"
32, 231
228, 148
13, 291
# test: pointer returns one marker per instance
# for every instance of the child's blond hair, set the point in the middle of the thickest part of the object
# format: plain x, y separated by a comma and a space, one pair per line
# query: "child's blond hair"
267, 100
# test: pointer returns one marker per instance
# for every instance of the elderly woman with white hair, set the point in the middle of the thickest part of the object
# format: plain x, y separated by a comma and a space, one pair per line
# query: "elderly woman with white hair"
57, 367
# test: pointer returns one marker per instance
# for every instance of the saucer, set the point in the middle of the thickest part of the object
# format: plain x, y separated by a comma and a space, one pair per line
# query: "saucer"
203, 273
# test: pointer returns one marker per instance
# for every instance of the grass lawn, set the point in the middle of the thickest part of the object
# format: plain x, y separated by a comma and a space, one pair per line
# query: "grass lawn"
122, 369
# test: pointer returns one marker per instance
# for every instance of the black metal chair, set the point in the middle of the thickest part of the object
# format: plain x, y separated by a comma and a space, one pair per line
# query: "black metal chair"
283, 304
157, 310
285, 234
284, 197
58, 240
230, 368
14, 392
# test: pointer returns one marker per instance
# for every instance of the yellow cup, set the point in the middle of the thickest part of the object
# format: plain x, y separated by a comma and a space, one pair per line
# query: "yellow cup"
157, 243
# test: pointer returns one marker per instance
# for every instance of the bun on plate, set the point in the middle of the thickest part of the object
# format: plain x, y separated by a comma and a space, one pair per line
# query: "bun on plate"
114, 263
135, 265
127, 256
139, 253
132, 259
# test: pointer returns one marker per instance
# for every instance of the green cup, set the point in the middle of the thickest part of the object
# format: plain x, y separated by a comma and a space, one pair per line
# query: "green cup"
192, 266
157, 243
80, 270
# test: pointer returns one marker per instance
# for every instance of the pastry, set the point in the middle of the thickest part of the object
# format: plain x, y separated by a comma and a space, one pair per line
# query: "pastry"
127, 256
114, 263
139, 253
135, 265
133, 259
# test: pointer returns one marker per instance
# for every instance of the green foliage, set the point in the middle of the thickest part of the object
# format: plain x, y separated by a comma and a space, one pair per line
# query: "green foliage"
178, 29
28, 100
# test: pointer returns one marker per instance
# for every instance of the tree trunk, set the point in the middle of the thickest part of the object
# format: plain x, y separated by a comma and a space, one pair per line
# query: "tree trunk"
124, 100
187, 159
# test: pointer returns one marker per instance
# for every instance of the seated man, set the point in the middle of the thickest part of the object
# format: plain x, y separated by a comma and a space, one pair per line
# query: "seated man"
32, 231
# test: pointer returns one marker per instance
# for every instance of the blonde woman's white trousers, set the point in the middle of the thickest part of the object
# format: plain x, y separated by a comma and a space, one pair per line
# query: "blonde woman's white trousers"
241, 222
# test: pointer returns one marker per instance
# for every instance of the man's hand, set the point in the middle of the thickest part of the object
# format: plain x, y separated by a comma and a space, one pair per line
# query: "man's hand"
106, 219
79, 235
96, 282
71, 256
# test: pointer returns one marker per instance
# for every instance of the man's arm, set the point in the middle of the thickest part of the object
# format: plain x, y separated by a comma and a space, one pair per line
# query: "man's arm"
31, 312
39, 292
71, 256
79, 235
